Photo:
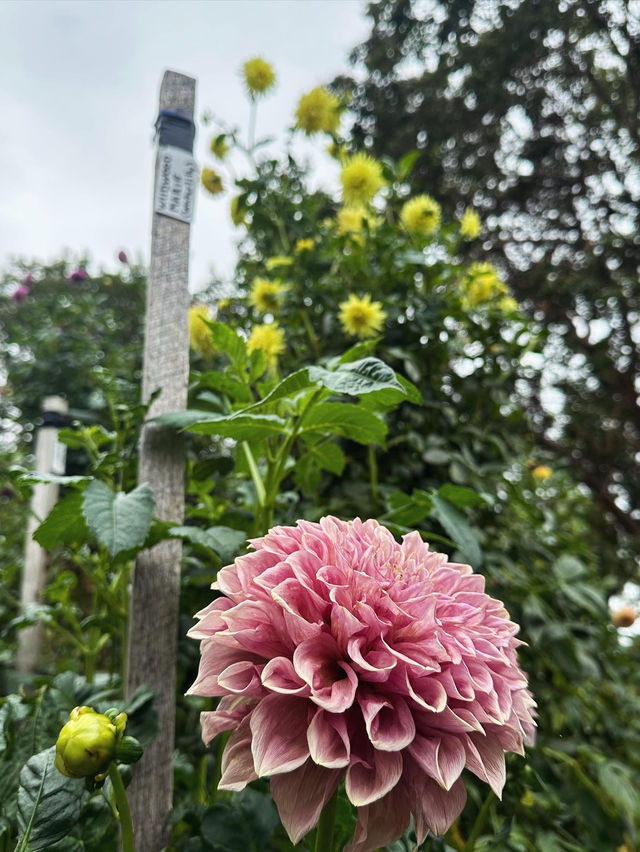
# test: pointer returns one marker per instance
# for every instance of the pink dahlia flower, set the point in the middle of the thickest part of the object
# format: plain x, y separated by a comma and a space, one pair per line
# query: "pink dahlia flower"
78, 275
20, 293
340, 653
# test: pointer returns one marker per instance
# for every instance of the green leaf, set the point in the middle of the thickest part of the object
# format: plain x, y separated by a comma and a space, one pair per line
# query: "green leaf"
228, 341
237, 391
406, 163
621, 784
49, 804
408, 510
357, 377
569, 568
225, 541
244, 824
64, 524
458, 528
359, 350
460, 496
241, 427
435, 455
184, 419
119, 521
291, 385
350, 421
327, 456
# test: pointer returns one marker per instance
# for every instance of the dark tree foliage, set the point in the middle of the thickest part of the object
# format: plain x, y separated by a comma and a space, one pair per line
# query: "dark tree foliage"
530, 112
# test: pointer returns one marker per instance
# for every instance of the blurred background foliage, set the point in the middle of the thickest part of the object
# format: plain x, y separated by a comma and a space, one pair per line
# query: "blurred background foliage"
530, 111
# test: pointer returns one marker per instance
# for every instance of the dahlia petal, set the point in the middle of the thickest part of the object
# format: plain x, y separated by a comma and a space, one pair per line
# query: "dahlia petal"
427, 692
209, 620
441, 758
241, 678
328, 739
229, 713
300, 601
375, 664
381, 822
388, 720
279, 728
301, 795
258, 627
485, 758
213, 664
439, 808
333, 682
279, 675
457, 687
237, 761
344, 625
366, 782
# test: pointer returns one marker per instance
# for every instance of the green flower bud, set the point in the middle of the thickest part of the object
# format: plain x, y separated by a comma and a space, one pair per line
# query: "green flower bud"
128, 750
87, 743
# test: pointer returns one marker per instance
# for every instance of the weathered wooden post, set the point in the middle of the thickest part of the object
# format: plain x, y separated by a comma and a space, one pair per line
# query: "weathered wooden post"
153, 625
50, 458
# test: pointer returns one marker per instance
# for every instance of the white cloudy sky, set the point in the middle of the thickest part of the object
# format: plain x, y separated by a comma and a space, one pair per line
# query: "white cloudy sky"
78, 98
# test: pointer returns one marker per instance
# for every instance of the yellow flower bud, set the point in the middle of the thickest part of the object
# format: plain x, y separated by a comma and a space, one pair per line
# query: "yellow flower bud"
87, 743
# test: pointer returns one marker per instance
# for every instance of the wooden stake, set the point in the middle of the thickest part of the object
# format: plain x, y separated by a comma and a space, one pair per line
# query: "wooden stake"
153, 624
44, 498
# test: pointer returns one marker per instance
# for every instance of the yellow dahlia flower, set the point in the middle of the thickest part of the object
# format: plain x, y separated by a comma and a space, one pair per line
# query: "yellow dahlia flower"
212, 181
542, 472
470, 224
199, 334
265, 295
318, 111
482, 284
421, 215
259, 76
305, 244
218, 146
351, 220
270, 339
361, 317
361, 178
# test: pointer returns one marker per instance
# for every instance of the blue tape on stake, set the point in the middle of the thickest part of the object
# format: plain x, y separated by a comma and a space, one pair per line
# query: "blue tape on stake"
175, 128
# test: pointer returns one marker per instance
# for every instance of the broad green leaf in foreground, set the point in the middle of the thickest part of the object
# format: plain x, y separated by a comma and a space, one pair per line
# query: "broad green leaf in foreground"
49, 804
65, 523
119, 521
350, 421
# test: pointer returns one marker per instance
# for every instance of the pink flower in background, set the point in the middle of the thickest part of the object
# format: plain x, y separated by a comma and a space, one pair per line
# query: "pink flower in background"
28, 279
79, 274
340, 653
122, 256
20, 293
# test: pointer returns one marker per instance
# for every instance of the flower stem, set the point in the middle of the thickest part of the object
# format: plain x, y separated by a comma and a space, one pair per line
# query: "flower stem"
326, 824
122, 804
478, 825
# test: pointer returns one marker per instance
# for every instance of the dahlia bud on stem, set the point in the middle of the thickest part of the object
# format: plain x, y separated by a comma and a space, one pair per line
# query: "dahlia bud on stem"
90, 745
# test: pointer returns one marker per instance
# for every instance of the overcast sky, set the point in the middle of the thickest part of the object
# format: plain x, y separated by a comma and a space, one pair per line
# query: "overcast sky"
78, 100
